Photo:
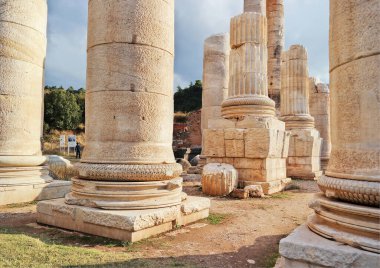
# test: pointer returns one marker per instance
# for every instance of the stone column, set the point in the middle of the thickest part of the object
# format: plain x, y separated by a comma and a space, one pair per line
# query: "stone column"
23, 50
215, 80
215, 76
248, 85
352, 181
276, 43
348, 210
128, 164
319, 101
250, 137
305, 142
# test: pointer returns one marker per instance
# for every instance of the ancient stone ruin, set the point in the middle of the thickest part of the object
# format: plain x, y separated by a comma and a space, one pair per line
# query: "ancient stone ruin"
23, 176
319, 102
347, 211
129, 185
305, 143
250, 137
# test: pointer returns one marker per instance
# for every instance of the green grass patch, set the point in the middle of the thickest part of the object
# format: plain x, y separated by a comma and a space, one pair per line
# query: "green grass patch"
271, 260
281, 195
19, 249
216, 218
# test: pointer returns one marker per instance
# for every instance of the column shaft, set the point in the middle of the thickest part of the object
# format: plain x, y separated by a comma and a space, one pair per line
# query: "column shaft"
276, 43
23, 51
215, 76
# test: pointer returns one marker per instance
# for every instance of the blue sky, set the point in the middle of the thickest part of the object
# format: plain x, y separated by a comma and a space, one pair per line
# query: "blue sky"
306, 23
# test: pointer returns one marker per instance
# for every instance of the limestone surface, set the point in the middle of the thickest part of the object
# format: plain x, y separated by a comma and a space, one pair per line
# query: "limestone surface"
126, 225
276, 43
219, 179
305, 249
319, 100
305, 142
23, 178
215, 76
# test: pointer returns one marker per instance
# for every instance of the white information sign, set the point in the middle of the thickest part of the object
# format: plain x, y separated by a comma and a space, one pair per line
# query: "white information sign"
72, 141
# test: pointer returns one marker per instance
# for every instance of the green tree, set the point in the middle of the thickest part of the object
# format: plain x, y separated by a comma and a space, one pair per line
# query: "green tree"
188, 99
62, 110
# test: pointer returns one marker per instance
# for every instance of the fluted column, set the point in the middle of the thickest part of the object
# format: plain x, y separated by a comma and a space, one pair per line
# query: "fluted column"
215, 76
351, 186
295, 89
276, 42
129, 107
248, 85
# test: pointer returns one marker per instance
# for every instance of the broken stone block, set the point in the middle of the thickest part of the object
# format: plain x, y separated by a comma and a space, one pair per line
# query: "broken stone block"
240, 194
219, 179
255, 191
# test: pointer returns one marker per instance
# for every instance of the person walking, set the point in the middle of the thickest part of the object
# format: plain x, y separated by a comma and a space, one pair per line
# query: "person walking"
77, 151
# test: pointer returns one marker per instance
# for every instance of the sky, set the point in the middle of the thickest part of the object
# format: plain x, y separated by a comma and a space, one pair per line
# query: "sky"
306, 23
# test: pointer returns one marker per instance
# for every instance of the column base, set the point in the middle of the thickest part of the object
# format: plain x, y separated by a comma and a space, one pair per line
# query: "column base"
305, 249
256, 147
28, 184
125, 225
304, 160
354, 225
125, 195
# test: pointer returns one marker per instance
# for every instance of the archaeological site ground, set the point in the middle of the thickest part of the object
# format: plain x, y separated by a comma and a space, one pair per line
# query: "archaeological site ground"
269, 167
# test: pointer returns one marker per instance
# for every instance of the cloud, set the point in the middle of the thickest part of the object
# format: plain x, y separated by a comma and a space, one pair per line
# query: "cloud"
306, 23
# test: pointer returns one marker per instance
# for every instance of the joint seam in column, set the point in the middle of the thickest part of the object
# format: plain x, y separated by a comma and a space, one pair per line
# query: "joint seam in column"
356, 58
26, 26
121, 90
139, 44
16, 59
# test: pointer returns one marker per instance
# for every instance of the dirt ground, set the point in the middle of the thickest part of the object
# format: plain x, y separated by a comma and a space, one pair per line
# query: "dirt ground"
239, 233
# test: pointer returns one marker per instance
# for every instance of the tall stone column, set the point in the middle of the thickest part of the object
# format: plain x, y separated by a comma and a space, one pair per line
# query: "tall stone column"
276, 43
128, 163
23, 178
248, 85
215, 80
348, 210
319, 100
250, 137
215, 76
352, 181
305, 142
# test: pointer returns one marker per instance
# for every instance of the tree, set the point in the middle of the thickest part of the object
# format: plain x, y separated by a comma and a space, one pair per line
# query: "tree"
62, 110
188, 99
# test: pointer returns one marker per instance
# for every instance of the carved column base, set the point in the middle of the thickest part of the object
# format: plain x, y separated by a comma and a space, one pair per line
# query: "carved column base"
303, 121
240, 107
354, 225
27, 184
353, 191
125, 195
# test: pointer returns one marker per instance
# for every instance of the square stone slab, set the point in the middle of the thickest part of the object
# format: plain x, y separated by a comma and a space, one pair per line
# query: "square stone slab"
305, 249
125, 225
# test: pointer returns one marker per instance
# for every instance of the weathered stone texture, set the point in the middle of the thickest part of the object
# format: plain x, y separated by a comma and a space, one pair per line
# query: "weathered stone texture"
215, 76
305, 142
23, 49
248, 83
319, 100
129, 100
276, 43
219, 179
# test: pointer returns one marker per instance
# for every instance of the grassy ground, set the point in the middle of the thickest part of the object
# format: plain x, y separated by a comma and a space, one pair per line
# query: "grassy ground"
24, 250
